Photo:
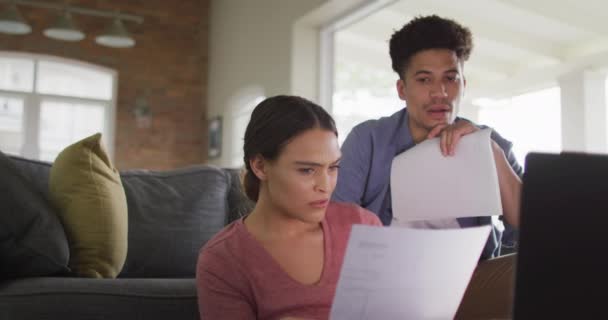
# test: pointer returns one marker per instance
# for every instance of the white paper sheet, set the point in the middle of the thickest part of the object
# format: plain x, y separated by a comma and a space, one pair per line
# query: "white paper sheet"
425, 185
402, 273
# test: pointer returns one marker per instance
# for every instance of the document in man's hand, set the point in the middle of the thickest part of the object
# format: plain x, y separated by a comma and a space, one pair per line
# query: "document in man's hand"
402, 273
425, 185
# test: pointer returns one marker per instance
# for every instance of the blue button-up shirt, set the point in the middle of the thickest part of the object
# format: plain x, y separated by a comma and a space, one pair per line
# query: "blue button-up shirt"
365, 171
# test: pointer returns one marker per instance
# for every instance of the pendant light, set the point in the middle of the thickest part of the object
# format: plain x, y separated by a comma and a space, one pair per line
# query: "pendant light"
64, 29
116, 36
12, 22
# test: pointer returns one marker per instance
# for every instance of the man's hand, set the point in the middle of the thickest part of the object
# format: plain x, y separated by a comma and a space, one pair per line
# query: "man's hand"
451, 134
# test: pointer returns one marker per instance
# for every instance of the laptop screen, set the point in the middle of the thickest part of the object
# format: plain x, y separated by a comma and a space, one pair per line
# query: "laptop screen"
561, 264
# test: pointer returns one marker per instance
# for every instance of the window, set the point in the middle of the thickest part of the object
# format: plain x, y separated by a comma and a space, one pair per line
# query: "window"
11, 124
62, 123
16, 74
60, 78
47, 103
531, 121
362, 92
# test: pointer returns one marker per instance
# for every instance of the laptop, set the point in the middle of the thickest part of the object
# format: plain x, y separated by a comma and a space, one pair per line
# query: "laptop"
562, 267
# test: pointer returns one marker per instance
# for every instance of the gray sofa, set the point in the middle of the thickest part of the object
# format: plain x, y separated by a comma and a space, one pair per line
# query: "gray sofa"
171, 215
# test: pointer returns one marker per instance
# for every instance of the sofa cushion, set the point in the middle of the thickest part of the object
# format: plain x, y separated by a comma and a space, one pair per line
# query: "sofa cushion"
32, 240
107, 299
36, 172
86, 189
172, 214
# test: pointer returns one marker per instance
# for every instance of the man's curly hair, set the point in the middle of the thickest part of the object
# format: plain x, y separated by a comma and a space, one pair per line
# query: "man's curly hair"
428, 32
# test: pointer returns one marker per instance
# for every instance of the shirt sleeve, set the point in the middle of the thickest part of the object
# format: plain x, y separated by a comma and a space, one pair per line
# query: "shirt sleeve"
510, 233
505, 145
368, 218
507, 148
219, 295
354, 168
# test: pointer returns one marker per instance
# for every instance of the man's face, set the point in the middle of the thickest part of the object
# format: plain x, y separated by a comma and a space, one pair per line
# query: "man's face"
432, 87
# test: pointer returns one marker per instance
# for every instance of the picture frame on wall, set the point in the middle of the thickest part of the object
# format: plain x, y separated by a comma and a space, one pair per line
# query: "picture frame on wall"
215, 138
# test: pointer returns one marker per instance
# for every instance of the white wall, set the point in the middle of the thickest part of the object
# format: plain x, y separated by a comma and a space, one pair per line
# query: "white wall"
249, 54
264, 47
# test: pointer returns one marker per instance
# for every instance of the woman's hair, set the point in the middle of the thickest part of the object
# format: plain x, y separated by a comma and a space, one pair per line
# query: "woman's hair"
274, 123
428, 32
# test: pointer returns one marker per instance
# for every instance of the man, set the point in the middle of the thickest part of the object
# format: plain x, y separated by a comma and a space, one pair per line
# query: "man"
428, 54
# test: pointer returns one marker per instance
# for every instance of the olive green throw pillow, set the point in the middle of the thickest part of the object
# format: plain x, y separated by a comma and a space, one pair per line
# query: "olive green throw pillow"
87, 191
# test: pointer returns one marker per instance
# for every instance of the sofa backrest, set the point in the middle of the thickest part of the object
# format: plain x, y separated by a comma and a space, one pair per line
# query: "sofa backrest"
37, 172
172, 213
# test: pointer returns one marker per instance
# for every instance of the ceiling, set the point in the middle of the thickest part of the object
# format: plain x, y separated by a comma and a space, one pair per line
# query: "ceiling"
519, 45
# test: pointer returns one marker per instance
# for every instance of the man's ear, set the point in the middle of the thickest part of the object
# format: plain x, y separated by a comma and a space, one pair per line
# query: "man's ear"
258, 166
401, 89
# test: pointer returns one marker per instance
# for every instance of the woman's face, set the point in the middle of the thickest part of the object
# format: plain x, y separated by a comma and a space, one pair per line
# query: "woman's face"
299, 183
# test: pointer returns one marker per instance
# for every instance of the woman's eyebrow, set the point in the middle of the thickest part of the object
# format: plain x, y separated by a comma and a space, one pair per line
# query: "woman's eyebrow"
313, 164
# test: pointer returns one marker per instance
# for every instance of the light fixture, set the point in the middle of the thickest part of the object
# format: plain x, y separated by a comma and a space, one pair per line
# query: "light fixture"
116, 36
64, 29
12, 22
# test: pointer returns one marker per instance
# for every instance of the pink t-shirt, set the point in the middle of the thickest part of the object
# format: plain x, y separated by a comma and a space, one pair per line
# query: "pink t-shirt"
238, 279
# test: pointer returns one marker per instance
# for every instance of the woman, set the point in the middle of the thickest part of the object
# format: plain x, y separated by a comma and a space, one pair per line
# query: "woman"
282, 260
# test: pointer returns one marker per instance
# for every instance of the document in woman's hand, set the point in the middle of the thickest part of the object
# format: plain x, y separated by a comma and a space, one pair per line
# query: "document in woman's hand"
402, 273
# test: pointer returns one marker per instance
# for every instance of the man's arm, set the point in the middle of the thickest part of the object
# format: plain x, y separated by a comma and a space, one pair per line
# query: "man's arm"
510, 186
509, 181
354, 168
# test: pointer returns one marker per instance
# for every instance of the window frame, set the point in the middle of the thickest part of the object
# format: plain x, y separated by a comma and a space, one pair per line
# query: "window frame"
32, 102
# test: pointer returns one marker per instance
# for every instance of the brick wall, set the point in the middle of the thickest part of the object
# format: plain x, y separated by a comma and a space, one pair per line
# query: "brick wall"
167, 66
